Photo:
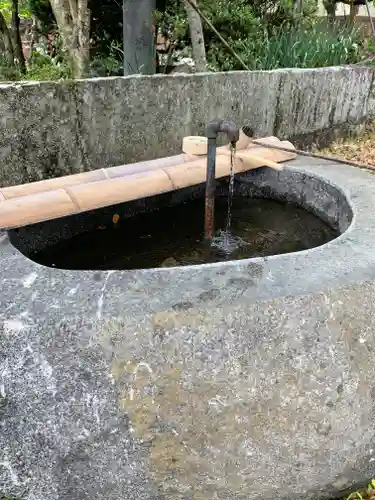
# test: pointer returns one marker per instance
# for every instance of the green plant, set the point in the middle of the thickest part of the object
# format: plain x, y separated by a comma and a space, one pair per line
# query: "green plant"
43, 67
106, 66
301, 47
6, 9
267, 34
356, 494
366, 493
41, 10
8, 73
110, 65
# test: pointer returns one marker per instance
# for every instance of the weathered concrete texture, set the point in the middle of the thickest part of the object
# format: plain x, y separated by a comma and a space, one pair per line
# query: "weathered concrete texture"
50, 129
249, 379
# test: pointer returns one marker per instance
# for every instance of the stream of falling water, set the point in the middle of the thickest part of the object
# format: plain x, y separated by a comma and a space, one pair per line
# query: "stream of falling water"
231, 186
226, 241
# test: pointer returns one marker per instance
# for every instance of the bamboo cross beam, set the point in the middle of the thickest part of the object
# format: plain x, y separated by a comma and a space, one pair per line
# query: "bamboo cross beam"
46, 200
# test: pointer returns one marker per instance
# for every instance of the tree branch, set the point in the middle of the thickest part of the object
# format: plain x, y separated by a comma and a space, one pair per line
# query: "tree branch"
17, 42
6, 36
223, 41
196, 36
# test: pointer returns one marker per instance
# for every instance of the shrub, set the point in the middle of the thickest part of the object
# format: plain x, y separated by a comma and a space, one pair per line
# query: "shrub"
303, 47
8, 73
106, 66
43, 67
267, 34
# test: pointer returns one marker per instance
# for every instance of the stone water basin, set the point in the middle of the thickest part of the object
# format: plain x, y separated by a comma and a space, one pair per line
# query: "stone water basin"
243, 379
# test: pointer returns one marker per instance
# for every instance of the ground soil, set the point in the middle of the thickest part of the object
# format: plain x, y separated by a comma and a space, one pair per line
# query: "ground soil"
359, 148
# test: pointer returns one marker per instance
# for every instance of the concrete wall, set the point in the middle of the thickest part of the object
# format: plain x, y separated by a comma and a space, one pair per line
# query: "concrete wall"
344, 10
56, 128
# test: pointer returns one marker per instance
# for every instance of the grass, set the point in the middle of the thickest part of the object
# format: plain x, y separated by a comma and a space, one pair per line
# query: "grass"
360, 148
315, 46
367, 493
41, 68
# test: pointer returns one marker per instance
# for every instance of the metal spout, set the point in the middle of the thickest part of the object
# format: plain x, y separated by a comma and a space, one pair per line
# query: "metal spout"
213, 130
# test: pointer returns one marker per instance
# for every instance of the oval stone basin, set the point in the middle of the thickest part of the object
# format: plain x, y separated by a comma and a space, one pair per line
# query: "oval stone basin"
248, 378
294, 212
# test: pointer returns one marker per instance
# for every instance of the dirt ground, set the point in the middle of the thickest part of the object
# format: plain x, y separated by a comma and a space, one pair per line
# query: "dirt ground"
360, 149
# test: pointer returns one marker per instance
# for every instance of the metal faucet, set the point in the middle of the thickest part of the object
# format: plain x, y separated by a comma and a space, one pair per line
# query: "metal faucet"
213, 129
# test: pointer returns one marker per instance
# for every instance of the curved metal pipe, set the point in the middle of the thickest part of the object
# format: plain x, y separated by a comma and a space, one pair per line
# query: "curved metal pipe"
214, 128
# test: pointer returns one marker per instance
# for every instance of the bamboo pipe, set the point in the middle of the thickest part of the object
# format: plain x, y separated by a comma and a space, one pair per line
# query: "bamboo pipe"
101, 174
96, 175
93, 176
39, 207
244, 143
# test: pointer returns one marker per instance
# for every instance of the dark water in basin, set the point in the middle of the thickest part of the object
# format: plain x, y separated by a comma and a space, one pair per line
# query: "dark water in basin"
172, 236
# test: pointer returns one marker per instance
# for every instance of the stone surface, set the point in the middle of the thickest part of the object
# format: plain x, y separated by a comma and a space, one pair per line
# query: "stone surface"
49, 129
242, 380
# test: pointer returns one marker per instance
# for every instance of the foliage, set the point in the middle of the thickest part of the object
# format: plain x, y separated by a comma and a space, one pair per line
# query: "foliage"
40, 68
106, 23
6, 9
41, 10
283, 13
7, 73
106, 66
366, 493
229, 18
301, 47
240, 22
237, 18
267, 34
43, 67
172, 22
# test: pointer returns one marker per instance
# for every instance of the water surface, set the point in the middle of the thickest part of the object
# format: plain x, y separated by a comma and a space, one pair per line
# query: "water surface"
173, 236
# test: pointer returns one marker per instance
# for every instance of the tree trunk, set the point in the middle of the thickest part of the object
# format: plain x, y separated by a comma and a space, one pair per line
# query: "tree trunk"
83, 36
353, 12
138, 37
73, 20
197, 38
330, 6
7, 41
17, 42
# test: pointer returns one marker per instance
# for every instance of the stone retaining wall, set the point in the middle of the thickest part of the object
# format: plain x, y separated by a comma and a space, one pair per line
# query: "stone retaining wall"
56, 128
